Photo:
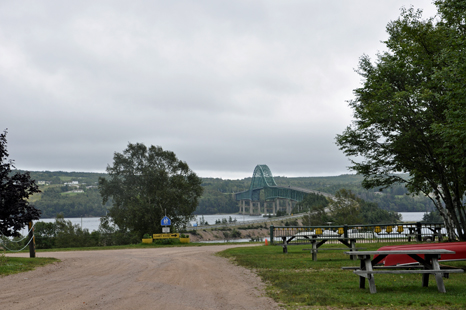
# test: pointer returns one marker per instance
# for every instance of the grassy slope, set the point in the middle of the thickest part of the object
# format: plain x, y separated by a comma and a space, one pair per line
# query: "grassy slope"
295, 280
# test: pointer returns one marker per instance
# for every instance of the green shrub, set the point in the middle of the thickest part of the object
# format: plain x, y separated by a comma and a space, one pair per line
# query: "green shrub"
235, 234
166, 241
45, 234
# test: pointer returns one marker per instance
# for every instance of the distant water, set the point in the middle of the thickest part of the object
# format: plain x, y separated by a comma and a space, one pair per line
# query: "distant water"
412, 216
212, 218
92, 223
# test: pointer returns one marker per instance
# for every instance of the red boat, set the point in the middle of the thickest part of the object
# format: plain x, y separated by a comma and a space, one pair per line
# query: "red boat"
392, 260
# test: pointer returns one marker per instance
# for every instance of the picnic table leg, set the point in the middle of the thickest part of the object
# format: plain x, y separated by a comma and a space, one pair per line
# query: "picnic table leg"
362, 280
425, 280
353, 249
314, 251
370, 276
285, 247
438, 276
427, 265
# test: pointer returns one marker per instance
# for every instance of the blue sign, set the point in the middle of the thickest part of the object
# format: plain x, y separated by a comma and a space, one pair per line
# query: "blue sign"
166, 221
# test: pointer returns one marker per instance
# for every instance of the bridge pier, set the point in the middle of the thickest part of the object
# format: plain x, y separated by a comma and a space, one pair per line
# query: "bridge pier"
287, 206
252, 209
277, 201
267, 209
242, 206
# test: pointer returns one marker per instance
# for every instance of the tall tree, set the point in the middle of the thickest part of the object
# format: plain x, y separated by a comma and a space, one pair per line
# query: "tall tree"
345, 208
317, 215
15, 189
145, 184
406, 118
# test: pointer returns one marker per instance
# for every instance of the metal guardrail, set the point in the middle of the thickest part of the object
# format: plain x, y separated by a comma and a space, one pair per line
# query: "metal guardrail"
243, 223
401, 232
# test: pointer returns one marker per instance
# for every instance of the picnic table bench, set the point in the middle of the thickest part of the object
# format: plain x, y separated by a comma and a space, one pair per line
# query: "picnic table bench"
315, 251
429, 264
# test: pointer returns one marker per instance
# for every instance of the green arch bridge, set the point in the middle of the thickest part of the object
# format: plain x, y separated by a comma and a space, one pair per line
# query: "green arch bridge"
262, 179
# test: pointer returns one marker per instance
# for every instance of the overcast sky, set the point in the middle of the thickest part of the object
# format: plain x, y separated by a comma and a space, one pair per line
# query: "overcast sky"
226, 85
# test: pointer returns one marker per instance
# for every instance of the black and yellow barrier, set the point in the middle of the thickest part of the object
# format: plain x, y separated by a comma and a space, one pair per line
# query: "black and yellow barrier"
166, 236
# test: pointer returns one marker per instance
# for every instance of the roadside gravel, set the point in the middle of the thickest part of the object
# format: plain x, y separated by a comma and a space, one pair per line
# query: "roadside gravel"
156, 278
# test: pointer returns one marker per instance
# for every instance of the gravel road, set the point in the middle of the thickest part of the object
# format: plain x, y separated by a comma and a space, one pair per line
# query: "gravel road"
156, 278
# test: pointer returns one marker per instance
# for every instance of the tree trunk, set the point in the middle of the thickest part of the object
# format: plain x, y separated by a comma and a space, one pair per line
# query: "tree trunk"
449, 225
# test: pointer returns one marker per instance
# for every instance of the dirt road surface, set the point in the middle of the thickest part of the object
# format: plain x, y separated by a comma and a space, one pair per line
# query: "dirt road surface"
156, 278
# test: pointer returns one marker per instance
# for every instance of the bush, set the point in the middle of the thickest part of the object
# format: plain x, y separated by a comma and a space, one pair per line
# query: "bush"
63, 234
235, 234
281, 213
166, 241
45, 234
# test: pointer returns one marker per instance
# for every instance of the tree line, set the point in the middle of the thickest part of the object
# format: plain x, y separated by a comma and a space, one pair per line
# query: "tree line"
217, 196
62, 200
345, 208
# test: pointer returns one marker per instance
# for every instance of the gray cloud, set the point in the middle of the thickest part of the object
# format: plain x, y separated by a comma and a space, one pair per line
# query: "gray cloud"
225, 85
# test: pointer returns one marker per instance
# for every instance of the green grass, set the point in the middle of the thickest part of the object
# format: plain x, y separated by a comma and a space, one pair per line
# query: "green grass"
295, 280
11, 265
66, 178
70, 194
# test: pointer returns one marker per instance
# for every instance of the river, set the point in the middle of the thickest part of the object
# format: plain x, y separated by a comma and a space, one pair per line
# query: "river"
92, 223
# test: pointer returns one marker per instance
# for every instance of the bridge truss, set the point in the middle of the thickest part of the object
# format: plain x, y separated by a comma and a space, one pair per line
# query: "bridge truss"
262, 179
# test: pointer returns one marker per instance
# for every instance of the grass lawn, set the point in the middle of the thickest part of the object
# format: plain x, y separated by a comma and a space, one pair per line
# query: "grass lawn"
298, 282
11, 265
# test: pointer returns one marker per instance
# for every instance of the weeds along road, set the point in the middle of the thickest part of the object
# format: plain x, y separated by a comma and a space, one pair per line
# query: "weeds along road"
155, 278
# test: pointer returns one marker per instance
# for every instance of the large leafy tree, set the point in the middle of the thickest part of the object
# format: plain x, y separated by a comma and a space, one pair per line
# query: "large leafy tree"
145, 184
15, 189
409, 113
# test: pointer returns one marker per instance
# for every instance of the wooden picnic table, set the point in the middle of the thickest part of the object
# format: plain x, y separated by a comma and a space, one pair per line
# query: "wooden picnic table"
317, 241
429, 264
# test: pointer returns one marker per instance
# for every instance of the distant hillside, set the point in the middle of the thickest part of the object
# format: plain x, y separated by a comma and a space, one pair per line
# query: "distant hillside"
60, 177
80, 196
75, 194
391, 199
